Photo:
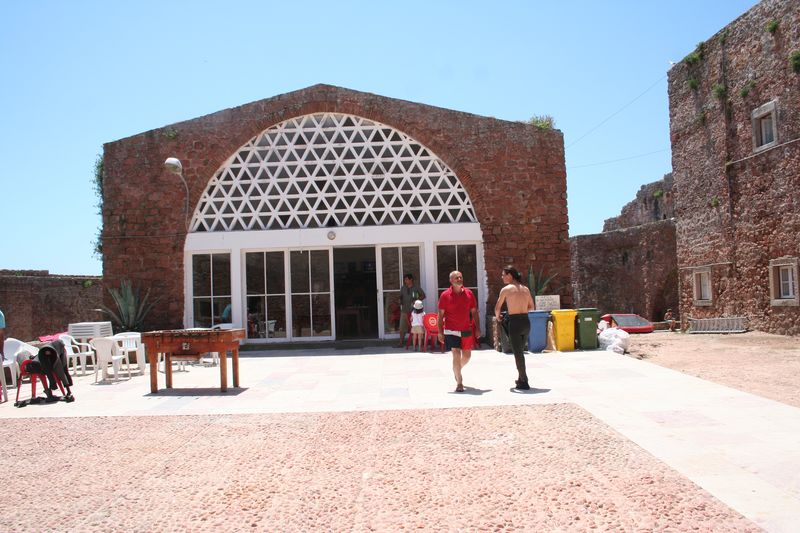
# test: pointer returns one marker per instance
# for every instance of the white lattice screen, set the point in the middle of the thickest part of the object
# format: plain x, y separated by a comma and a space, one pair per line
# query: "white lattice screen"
331, 170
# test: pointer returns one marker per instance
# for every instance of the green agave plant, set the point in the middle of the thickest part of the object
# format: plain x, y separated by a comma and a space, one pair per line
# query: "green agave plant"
539, 283
132, 308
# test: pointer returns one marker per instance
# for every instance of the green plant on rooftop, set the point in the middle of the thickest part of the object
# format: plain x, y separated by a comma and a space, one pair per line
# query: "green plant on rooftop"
544, 122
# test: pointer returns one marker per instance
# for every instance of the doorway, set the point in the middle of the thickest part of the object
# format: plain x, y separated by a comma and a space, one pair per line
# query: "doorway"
355, 289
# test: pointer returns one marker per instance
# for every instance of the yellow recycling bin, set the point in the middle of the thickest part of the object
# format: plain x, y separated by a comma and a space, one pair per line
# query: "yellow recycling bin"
564, 328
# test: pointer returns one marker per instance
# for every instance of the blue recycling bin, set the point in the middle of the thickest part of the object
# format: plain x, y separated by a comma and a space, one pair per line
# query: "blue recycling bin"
537, 338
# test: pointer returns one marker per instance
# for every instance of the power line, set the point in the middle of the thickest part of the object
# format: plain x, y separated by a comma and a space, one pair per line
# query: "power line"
617, 112
618, 160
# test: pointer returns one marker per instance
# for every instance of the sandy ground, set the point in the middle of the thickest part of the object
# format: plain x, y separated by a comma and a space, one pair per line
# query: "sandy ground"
513, 468
759, 363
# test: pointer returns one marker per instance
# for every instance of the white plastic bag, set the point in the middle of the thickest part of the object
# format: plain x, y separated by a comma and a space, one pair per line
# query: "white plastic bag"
614, 340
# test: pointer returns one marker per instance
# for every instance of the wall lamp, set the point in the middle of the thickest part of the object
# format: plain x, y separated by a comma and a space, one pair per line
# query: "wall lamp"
173, 165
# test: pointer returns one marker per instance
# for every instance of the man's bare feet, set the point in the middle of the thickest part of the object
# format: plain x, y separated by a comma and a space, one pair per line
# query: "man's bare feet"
460, 388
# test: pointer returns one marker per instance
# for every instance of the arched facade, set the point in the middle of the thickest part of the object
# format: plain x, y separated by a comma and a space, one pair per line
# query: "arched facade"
306, 231
306, 209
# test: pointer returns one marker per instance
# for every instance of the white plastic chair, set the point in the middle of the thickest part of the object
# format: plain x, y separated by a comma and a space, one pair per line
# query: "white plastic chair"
108, 353
77, 351
131, 342
16, 351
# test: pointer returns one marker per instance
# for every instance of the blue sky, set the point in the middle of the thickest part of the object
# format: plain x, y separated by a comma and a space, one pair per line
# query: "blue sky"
81, 73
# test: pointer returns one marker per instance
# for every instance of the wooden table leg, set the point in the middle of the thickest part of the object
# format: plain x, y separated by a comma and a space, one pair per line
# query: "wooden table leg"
235, 355
168, 369
223, 370
153, 356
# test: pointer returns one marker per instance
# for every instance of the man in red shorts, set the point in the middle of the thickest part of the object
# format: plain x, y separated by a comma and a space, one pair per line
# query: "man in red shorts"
456, 306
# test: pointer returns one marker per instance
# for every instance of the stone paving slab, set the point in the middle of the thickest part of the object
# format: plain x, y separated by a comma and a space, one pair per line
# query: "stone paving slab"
741, 448
512, 468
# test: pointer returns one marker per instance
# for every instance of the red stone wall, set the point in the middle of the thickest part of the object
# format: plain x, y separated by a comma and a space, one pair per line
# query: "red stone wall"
736, 209
36, 303
513, 172
629, 270
654, 201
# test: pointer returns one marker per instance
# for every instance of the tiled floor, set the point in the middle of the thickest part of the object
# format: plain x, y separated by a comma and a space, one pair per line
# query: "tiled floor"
743, 449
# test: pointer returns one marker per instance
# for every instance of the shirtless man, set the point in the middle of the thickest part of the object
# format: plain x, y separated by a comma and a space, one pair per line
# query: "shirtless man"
518, 300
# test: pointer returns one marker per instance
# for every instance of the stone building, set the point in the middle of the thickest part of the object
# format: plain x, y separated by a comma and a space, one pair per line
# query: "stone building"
631, 266
304, 210
735, 127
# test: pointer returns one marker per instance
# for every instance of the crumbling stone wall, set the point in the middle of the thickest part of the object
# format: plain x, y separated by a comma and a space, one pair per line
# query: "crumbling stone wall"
37, 303
513, 172
737, 207
629, 270
654, 201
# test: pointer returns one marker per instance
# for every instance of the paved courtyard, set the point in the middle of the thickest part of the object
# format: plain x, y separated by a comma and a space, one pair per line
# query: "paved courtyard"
376, 439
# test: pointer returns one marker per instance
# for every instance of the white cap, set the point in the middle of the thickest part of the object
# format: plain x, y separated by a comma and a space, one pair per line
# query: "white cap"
418, 304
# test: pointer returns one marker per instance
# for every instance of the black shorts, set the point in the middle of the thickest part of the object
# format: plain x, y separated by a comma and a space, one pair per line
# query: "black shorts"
461, 343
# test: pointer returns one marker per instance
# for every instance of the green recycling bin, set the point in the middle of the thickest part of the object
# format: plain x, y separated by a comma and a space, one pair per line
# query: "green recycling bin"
564, 329
586, 328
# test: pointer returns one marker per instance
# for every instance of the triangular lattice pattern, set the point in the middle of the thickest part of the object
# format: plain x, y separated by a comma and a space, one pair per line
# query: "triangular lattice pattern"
331, 170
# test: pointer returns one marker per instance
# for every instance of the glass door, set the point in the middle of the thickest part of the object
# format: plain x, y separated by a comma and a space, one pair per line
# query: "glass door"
396, 261
310, 293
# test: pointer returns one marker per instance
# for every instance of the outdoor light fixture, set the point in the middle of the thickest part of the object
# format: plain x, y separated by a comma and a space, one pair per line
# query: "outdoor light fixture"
331, 235
173, 164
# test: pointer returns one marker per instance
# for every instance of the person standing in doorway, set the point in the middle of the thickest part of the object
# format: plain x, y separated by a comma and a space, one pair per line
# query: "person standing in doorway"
458, 318
409, 293
518, 301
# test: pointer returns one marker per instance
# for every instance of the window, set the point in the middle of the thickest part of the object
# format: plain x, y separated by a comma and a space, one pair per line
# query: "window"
701, 281
310, 283
266, 295
765, 127
783, 281
211, 289
461, 257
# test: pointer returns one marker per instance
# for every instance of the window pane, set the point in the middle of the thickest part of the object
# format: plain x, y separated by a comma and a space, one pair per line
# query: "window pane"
320, 271
254, 272
202, 312
322, 315
390, 257
445, 263
766, 130
276, 317
391, 314
301, 315
468, 264
256, 326
275, 273
222, 310
411, 262
299, 271
201, 275
221, 272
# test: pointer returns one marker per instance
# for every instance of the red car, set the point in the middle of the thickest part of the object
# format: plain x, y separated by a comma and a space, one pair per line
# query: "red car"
629, 322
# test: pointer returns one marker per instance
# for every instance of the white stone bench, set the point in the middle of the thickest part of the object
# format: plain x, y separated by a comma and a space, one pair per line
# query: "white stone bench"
733, 324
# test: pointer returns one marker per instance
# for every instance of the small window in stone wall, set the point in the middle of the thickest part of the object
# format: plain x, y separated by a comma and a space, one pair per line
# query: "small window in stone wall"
783, 281
701, 286
765, 126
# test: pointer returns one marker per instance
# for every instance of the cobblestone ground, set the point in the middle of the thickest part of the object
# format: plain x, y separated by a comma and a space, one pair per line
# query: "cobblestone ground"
518, 468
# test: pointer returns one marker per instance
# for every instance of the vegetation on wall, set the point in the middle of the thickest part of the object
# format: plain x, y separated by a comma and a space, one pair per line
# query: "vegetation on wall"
658, 193
772, 26
693, 83
696, 56
719, 91
794, 60
545, 122
747, 88
170, 133
97, 183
